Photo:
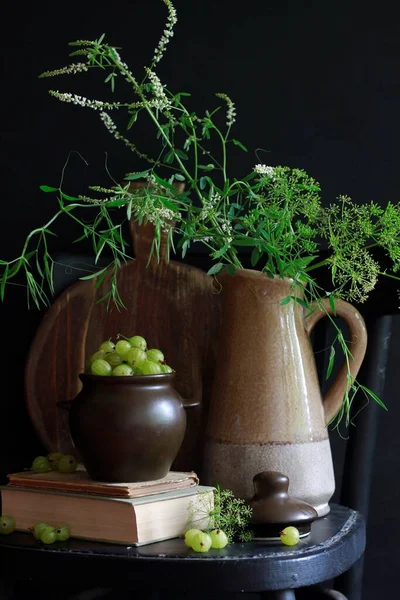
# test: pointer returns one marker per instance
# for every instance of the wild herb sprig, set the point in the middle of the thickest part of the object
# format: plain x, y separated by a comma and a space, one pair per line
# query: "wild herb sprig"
274, 214
227, 512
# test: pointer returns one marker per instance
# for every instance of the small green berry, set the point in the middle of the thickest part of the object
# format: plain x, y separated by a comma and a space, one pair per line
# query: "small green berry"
219, 539
62, 533
189, 536
54, 458
149, 367
7, 524
67, 464
41, 464
38, 529
107, 346
122, 371
135, 356
290, 536
155, 355
122, 347
113, 359
138, 342
92, 358
48, 535
201, 542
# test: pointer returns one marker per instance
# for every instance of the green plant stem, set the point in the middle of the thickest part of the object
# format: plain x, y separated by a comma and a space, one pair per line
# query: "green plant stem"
36, 231
223, 141
318, 265
389, 275
186, 172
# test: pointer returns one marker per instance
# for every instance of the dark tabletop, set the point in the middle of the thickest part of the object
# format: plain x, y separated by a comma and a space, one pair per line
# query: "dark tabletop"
334, 545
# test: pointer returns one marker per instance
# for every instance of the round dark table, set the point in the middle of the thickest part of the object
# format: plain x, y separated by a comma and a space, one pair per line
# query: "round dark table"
336, 542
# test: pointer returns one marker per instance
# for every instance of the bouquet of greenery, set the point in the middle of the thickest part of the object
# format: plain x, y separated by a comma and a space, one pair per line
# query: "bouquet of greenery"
274, 214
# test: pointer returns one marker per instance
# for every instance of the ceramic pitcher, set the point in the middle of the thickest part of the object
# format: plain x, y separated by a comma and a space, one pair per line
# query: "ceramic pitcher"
266, 410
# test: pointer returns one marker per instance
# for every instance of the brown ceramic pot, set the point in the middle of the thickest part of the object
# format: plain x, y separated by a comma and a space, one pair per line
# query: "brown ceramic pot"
127, 429
266, 410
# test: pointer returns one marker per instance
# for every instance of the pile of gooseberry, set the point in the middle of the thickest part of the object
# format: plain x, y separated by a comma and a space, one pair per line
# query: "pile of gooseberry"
126, 357
41, 531
55, 461
48, 534
202, 541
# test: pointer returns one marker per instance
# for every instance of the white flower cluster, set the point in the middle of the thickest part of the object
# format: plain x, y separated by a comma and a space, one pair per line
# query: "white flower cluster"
82, 101
83, 43
227, 228
161, 102
94, 200
231, 115
209, 205
154, 103
150, 178
116, 56
167, 33
264, 170
155, 214
70, 70
108, 122
165, 214
231, 112
128, 73
99, 188
112, 128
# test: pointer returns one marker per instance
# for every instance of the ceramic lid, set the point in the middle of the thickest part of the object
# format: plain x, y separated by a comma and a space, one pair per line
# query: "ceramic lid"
273, 508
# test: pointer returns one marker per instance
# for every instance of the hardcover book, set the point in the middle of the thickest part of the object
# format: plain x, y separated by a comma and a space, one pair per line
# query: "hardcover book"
130, 521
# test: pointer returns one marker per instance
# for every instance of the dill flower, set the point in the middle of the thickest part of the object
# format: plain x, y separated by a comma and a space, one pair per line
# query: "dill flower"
355, 274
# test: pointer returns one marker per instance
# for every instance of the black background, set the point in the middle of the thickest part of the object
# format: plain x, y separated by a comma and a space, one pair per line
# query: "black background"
316, 86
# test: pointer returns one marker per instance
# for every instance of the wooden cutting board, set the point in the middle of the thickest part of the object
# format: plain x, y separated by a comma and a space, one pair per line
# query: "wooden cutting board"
173, 305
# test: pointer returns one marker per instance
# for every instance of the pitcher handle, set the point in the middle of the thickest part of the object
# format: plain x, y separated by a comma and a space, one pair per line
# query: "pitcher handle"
357, 346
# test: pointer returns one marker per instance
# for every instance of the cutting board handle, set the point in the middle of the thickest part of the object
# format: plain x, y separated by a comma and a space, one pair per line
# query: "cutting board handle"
142, 238
143, 235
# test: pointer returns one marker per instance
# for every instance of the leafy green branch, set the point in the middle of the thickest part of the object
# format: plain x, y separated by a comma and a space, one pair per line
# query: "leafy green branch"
272, 216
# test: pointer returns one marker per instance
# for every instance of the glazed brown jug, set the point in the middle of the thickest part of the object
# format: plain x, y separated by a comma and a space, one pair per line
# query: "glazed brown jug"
127, 429
266, 410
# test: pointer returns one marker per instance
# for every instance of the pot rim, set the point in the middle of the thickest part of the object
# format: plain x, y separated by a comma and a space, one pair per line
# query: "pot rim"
157, 378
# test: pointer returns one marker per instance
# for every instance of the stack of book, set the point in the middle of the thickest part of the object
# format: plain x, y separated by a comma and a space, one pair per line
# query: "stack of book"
122, 513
